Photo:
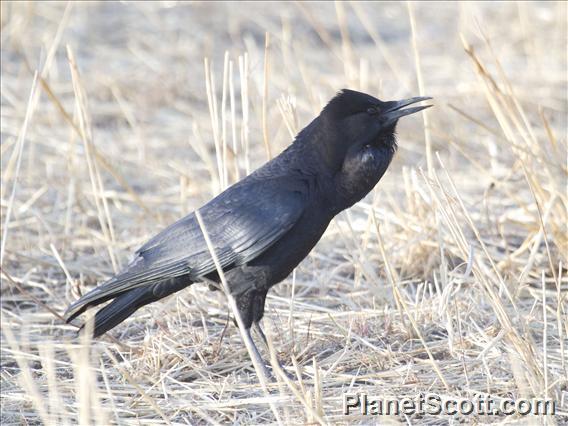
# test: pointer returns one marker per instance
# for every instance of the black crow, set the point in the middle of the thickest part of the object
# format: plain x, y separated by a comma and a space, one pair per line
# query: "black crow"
264, 225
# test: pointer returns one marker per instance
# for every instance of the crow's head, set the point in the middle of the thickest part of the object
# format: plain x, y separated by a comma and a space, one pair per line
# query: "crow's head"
362, 119
359, 137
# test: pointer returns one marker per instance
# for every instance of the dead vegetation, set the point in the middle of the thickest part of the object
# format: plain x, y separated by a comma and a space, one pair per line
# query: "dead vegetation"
118, 118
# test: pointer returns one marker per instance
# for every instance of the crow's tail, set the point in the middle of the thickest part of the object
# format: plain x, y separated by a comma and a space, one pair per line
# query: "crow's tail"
129, 302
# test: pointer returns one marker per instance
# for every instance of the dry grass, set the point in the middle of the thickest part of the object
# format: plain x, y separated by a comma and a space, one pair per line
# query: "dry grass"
450, 277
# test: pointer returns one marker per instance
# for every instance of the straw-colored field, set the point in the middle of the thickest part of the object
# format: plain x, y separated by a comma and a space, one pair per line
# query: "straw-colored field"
450, 277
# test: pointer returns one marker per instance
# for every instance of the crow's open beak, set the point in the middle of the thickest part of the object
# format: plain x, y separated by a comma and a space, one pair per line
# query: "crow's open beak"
394, 111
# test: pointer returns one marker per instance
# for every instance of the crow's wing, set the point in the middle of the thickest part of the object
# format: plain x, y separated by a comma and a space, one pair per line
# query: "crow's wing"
242, 223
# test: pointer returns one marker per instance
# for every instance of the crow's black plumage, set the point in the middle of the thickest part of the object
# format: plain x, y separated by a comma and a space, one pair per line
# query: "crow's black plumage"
264, 225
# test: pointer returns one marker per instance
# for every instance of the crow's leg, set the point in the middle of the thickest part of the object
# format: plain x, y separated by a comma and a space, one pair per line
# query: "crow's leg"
257, 305
249, 303
251, 308
260, 332
257, 357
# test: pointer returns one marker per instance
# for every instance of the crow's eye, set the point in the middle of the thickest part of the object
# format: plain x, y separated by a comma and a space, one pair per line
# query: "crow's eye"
372, 110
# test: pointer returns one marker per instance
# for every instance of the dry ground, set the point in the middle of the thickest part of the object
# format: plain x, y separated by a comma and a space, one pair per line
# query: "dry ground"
449, 278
